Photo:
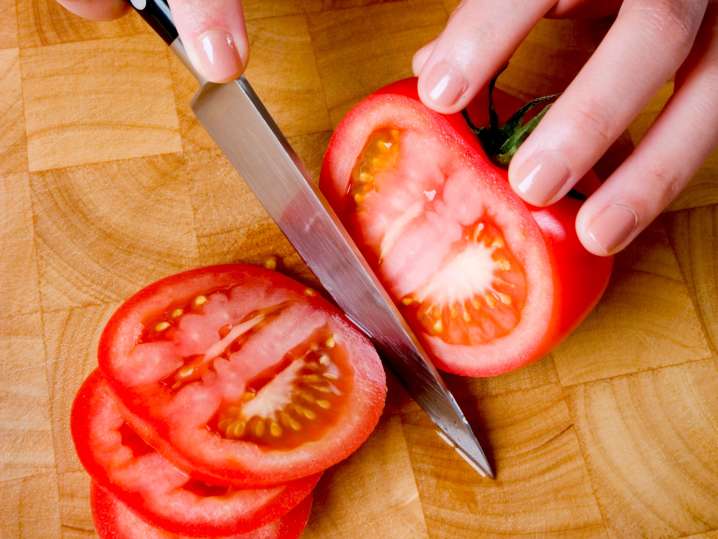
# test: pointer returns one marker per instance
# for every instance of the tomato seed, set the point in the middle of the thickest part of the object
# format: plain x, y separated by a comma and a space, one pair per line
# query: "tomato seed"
259, 427
274, 429
306, 412
236, 429
503, 264
289, 422
323, 403
306, 396
270, 262
162, 326
177, 313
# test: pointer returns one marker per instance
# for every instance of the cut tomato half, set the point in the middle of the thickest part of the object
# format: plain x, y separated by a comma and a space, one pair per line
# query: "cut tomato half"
487, 282
121, 461
249, 376
115, 520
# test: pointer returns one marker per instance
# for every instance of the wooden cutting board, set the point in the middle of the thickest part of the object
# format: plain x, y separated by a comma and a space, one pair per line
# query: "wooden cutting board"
107, 183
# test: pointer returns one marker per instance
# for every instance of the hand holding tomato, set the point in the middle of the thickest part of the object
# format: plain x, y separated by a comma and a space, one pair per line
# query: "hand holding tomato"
650, 42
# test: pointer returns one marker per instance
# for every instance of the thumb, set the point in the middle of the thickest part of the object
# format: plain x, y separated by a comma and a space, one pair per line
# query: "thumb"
214, 35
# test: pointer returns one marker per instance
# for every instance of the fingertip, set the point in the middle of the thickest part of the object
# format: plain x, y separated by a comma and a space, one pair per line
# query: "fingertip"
609, 229
214, 36
216, 54
96, 10
442, 87
540, 178
421, 56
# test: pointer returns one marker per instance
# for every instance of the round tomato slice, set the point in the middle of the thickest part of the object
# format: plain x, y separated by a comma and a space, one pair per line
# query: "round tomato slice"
486, 281
118, 459
115, 520
251, 377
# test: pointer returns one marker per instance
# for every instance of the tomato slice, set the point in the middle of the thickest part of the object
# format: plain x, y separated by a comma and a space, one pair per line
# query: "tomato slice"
479, 277
115, 520
249, 376
120, 460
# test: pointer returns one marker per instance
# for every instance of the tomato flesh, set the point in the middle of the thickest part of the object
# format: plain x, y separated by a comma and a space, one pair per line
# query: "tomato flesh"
475, 272
248, 375
117, 457
115, 520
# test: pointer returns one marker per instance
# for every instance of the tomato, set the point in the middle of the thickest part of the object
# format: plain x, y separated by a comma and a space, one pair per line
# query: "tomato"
114, 520
249, 376
487, 282
118, 459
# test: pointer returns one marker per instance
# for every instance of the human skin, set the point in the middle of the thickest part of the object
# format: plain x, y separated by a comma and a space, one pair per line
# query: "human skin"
650, 42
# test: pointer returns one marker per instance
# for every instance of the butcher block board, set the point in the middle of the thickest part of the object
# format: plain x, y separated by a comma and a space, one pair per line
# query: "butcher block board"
108, 183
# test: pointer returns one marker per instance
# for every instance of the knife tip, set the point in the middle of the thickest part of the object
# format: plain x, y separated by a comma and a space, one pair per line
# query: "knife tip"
479, 462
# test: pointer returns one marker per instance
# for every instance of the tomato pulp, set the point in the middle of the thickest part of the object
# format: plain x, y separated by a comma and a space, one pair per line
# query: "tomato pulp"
246, 375
487, 282
115, 520
117, 458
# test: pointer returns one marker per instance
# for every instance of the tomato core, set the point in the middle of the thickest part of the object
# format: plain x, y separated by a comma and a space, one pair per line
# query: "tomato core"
478, 290
294, 401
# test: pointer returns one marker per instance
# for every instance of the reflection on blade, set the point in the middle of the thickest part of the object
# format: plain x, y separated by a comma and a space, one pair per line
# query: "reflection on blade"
238, 122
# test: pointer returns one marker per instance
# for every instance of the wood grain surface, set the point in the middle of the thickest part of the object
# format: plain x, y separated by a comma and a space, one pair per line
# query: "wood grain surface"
107, 182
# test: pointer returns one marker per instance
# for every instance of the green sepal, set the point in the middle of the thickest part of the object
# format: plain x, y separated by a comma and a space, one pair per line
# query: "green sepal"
500, 142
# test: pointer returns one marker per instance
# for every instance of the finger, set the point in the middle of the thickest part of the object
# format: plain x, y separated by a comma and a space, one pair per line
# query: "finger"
588, 9
214, 34
478, 39
97, 10
421, 56
673, 149
643, 49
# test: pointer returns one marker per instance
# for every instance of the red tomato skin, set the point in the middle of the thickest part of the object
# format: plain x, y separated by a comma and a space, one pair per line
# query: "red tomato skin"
115, 520
243, 474
83, 408
580, 277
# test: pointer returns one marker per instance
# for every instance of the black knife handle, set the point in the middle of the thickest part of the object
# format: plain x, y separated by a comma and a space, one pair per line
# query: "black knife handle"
157, 14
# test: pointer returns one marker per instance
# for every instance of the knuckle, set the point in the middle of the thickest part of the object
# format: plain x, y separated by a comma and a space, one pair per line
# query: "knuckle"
666, 184
674, 22
595, 120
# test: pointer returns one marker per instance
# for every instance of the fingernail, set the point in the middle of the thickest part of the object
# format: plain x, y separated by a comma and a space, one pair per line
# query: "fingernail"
613, 227
540, 178
218, 55
445, 84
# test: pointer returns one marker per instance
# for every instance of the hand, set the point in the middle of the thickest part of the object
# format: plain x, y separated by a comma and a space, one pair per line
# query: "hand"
650, 42
212, 31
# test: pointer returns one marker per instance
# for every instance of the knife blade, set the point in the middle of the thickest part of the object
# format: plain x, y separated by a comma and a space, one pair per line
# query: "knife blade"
238, 122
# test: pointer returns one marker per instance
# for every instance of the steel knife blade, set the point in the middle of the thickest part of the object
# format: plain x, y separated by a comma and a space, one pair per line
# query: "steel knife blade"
238, 122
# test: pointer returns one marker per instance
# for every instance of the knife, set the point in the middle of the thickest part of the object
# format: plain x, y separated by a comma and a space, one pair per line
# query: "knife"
239, 123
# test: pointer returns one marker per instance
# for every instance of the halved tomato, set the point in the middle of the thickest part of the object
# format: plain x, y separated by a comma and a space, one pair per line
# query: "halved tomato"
117, 458
114, 520
487, 282
251, 377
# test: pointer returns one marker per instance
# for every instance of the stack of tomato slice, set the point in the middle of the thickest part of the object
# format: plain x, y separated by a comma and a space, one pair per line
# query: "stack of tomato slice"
222, 395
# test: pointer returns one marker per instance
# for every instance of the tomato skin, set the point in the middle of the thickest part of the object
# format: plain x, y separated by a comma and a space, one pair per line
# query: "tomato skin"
115, 520
579, 278
239, 467
95, 421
